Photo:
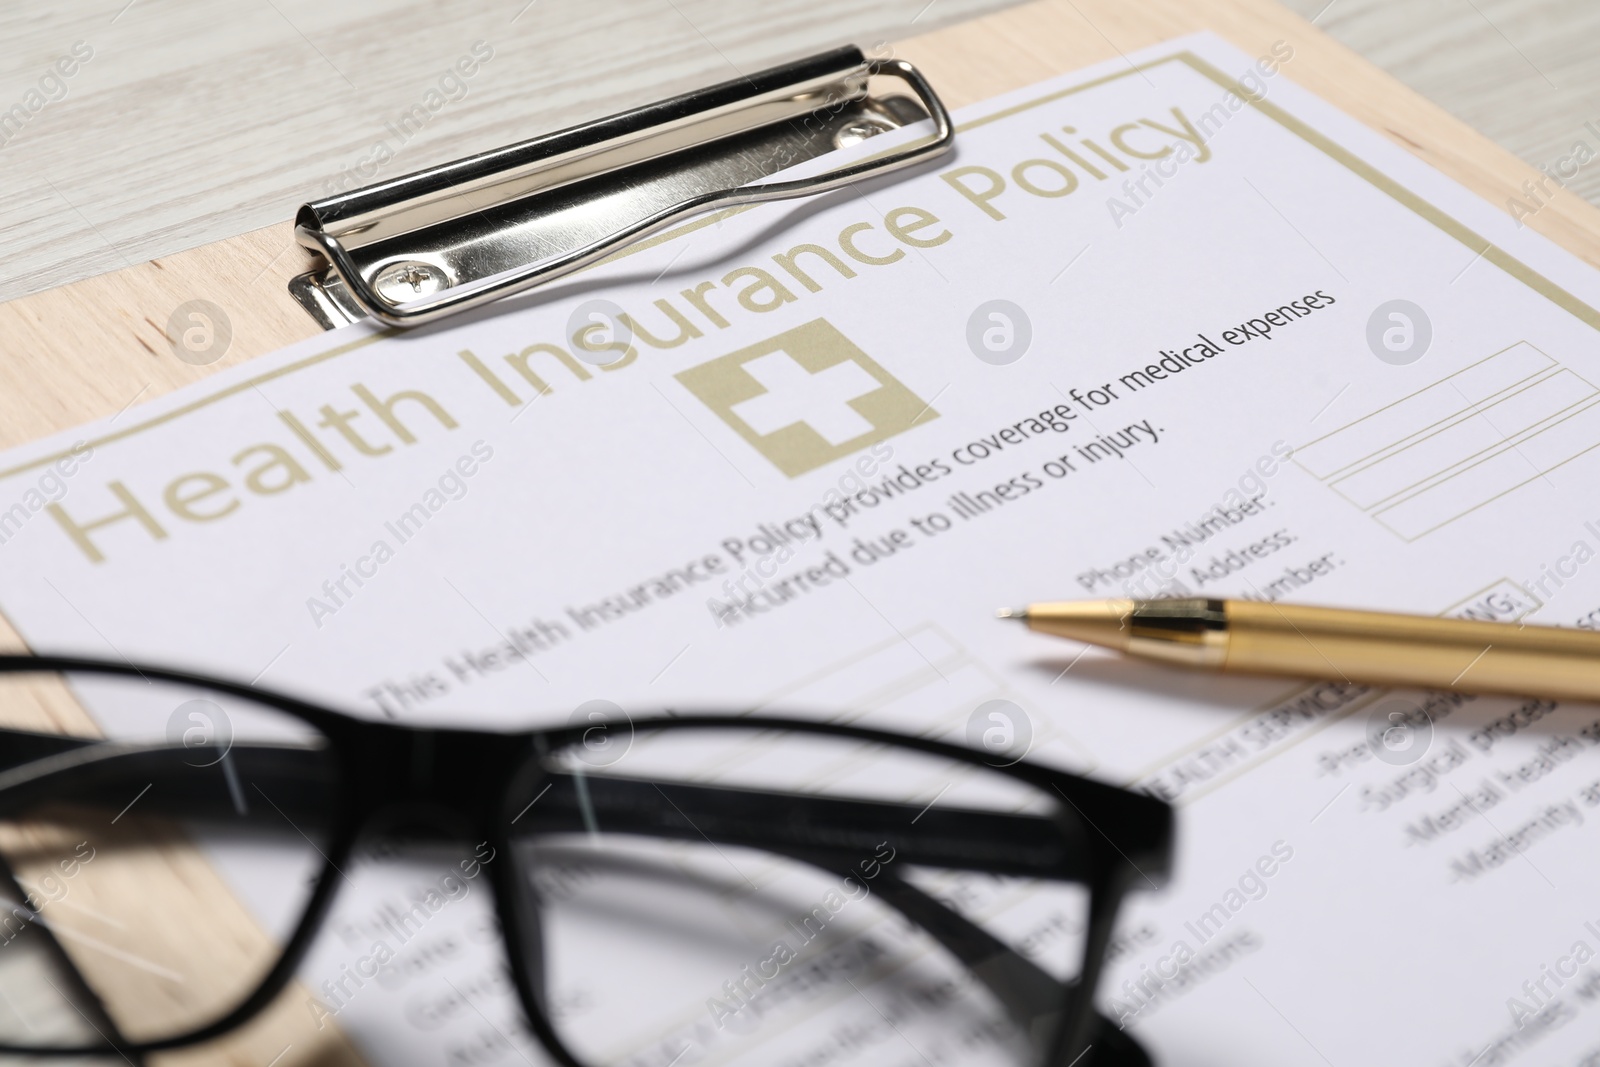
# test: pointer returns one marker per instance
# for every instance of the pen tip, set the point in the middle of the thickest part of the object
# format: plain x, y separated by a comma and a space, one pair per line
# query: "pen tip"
1020, 614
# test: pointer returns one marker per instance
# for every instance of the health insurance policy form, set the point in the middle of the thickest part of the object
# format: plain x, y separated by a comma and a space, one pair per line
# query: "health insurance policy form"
1161, 327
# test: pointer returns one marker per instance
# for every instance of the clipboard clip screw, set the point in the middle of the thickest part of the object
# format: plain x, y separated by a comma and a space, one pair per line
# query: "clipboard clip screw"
860, 130
408, 280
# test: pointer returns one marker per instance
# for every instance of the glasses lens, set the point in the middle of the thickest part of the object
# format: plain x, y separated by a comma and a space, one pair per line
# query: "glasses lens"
709, 896
148, 882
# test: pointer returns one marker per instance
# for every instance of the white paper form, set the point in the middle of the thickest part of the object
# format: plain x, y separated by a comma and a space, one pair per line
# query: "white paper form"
1143, 334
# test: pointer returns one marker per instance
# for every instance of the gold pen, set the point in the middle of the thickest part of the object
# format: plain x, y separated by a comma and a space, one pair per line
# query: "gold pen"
1369, 647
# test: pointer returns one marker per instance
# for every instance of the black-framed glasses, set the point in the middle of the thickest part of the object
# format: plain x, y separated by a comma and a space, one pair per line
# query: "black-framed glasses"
684, 889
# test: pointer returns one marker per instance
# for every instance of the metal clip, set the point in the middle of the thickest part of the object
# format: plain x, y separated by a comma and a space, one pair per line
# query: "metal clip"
426, 245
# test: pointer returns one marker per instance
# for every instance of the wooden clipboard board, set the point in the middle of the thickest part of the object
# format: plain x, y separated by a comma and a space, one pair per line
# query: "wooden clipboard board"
96, 347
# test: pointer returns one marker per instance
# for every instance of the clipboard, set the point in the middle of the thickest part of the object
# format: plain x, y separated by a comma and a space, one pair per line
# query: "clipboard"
94, 348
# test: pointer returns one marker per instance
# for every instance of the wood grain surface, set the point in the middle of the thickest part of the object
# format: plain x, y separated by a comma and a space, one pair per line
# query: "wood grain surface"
1525, 73
197, 120
97, 346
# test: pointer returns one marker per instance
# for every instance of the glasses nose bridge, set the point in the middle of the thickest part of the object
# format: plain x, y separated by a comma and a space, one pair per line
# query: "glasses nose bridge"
454, 774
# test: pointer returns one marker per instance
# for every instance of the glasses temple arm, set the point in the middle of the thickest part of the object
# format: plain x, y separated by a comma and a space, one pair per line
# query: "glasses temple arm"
18, 748
35, 768
849, 834
198, 783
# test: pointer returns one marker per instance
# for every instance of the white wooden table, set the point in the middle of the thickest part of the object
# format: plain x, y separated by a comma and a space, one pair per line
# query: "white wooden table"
1524, 72
196, 120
